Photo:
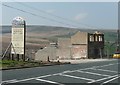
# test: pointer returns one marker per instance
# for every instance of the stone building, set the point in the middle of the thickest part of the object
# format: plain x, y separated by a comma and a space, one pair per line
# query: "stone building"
96, 45
80, 45
64, 48
46, 54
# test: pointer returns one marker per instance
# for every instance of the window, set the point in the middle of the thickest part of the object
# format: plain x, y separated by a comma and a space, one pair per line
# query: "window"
91, 38
100, 38
96, 38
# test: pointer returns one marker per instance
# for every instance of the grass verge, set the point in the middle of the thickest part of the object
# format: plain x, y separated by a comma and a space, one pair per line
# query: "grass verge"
10, 64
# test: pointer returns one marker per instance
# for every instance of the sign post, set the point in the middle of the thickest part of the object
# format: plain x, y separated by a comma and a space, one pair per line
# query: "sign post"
18, 38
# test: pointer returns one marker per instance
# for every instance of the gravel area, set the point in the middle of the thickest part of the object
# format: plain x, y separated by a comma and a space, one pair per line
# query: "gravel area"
85, 60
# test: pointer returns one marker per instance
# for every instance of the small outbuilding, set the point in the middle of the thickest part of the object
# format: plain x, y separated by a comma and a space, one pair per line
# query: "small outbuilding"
46, 54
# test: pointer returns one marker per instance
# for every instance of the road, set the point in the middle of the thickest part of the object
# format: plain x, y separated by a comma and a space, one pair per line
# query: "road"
101, 73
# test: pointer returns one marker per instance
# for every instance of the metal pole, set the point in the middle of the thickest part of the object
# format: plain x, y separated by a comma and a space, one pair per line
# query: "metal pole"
17, 57
6, 50
118, 44
100, 53
108, 53
108, 49
12, 56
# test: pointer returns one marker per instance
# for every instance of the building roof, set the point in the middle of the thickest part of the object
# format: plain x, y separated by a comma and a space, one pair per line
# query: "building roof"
79, 38
97, 32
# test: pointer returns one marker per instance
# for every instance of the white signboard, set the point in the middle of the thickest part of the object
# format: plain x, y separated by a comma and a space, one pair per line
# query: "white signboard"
17, 41
18, 36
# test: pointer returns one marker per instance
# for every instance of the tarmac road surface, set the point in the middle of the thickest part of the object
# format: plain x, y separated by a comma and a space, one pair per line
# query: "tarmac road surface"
104, 72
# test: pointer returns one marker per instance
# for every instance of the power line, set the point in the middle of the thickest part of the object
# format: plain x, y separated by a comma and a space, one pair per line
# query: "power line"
38, 15
66, 19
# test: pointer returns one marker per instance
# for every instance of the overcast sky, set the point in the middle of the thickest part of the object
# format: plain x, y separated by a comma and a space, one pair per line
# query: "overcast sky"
102, 15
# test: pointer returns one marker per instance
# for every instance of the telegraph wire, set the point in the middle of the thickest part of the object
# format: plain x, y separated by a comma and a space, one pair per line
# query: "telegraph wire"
66, 19
38, 15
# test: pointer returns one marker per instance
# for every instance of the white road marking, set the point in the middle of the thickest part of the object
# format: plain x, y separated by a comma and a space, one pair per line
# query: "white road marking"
44, 76
84, 69
110, 80
94, 67
15, 80
57, 74
78, 77
105, 70
25, 80
105, 65
49, 81
102, 79
68, 71
9, 80
92, 73
21, 80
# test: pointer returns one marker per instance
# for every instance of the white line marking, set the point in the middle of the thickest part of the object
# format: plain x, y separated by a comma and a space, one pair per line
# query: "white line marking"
44, 76
24, 80
105, 65
68, 71
84, 69
110, 80
57, 74
49, 81
21, 80
78, 77
103, 79
105, 70
14, 81
9, 80
92, 73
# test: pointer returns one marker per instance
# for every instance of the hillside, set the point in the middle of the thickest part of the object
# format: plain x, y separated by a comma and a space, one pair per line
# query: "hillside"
36, 31
40, 36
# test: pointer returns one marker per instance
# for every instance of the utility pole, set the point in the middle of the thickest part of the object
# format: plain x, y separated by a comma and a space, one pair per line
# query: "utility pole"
118, 42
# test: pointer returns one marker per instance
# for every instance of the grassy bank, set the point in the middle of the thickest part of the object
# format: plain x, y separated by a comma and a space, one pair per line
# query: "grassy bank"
10, 64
